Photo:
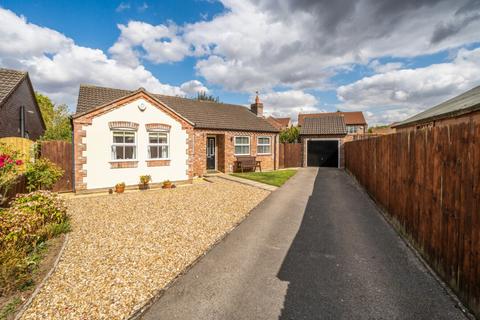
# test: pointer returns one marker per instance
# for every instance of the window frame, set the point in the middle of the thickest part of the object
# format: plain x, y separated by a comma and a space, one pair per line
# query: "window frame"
115, 144
242, 145
264, 145
158, 145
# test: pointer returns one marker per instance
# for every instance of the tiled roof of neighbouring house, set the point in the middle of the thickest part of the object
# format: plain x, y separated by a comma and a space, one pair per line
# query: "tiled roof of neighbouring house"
466, 102
351, 118
283, 121
9, 80
204, 114
328, 125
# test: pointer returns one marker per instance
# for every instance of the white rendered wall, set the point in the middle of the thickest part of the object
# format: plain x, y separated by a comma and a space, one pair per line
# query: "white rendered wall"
99, 140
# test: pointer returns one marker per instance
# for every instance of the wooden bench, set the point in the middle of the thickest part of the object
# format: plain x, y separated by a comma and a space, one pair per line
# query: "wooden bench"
247, 163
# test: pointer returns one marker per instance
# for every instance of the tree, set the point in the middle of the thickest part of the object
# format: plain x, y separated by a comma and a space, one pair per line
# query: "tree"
289, 135
203, 96
56, 118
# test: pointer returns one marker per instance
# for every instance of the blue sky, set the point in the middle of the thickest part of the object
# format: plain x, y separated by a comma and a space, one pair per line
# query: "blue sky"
387, 59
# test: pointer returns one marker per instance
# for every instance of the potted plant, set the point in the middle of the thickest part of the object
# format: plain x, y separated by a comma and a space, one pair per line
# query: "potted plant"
144, 180
167, 184
120, 187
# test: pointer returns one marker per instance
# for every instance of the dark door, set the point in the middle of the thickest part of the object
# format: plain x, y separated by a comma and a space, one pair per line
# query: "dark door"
210, 153
322, 153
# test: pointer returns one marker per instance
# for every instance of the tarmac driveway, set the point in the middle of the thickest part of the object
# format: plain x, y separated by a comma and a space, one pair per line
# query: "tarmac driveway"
317, 248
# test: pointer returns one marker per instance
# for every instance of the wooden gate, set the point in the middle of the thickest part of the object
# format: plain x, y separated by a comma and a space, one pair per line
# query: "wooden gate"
60, 153
290, 155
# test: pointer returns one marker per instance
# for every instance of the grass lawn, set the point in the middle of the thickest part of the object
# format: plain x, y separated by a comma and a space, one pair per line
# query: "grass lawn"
274, 178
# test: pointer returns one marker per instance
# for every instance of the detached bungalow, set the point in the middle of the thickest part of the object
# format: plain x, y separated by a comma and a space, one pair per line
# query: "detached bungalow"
121, 134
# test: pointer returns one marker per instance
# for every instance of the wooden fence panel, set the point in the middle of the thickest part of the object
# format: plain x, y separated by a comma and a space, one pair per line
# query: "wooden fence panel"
290, 155
60, 153
428, 181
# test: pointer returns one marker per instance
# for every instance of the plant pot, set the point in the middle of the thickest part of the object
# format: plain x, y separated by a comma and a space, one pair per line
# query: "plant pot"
143, 186
168, 186
119, 189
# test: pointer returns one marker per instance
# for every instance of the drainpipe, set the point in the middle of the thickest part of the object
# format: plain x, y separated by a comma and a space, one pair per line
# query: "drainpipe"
22, 121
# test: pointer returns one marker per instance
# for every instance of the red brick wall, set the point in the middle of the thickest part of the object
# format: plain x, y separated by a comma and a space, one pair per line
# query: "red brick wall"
225, 150
10, 114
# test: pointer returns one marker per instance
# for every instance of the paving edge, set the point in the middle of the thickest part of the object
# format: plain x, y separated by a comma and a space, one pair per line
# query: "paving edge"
248, 182
27, 304
137, 314
386, 216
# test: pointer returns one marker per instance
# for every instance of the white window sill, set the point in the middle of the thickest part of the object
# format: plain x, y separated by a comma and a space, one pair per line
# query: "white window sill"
124, 160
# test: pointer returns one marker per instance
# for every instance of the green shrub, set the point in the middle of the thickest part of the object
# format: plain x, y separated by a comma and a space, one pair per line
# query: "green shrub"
30, 220
42, 174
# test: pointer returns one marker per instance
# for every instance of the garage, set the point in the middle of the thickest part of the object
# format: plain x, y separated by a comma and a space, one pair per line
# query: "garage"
322, 153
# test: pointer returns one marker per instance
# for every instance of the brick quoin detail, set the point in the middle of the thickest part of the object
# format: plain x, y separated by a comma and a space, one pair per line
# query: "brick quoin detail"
123, 125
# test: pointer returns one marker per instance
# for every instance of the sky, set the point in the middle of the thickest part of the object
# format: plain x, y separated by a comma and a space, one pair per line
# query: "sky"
390, 59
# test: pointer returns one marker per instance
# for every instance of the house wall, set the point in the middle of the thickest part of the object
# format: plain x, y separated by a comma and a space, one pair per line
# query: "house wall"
10, 114
225, 150
94, 167
342, 138
469, 117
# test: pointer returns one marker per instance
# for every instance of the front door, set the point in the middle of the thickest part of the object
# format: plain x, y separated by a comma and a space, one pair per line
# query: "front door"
210, 153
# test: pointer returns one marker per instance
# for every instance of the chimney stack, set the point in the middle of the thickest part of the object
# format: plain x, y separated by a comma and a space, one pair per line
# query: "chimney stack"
257, 107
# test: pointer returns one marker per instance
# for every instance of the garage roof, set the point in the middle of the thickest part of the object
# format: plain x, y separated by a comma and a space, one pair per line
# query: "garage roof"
465, 103
328, 125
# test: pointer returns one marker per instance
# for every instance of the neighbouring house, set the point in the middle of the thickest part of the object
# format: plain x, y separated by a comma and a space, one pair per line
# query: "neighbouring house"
354, 121
121, 134
323, 135
20, 115
280, 123
382, 130
462, 108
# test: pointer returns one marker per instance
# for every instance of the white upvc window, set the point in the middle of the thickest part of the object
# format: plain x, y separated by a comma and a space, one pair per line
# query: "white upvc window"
242, 146
158, 145
264, 145
124, 146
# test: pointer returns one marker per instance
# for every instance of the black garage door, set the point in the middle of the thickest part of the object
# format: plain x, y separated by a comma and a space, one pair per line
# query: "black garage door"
322, 153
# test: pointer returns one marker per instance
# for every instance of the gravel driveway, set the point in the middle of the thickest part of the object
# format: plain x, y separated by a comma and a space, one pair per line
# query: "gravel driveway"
124, 248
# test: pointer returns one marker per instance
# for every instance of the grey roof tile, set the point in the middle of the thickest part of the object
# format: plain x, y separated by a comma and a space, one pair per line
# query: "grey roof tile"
9, 80
204, 114
325, 125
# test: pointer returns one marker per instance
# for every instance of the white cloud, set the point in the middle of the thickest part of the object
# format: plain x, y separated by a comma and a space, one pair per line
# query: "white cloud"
192, 87
288, 103
160, 44
382, 68
57, 66
122, 7
398, 94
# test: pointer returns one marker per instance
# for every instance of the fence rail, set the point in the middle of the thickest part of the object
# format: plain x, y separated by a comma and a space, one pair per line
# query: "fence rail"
429, 183
290, 155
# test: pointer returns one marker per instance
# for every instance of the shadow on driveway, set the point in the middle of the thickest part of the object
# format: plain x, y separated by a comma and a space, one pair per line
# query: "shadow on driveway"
346, 262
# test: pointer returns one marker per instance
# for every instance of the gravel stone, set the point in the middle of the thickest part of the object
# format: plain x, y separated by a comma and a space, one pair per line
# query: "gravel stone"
125, 247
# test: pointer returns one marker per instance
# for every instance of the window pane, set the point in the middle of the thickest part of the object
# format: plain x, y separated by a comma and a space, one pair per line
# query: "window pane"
117, 137
129, 152
153, 138
264, 140
117, 152
242, 149
241, 140
130, 138
163, 152
263, 149
162, 138
153, 152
